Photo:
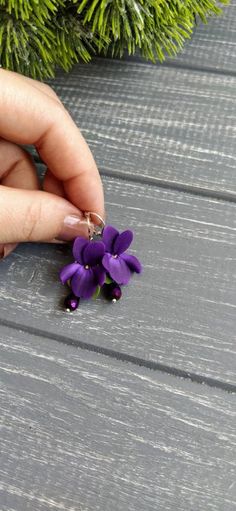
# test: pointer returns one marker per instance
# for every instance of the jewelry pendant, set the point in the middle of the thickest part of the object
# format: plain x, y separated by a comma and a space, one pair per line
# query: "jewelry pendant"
100, 263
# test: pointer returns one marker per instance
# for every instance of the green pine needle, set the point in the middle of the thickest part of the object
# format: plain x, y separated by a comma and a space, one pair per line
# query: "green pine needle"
36, 36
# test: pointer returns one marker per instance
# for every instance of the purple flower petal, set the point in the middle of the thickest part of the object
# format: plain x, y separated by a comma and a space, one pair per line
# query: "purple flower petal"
117, 267
122, 242
109, 234
83, 283
93, 253
67, 272
78, 249
133, 263
99, 274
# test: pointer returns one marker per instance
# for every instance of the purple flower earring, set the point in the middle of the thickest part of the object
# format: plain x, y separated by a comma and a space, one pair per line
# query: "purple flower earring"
100, 264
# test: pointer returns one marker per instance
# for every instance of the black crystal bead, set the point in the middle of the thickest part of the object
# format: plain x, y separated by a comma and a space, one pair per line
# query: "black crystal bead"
71, 302
112, 291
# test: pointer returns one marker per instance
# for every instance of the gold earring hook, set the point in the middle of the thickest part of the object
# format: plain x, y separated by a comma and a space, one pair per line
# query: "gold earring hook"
94, 229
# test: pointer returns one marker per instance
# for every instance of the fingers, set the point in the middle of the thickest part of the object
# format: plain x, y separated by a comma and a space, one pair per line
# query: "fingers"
16, 167
27, 215
30, 116
16, 170
30, 215
43, 87
52, 185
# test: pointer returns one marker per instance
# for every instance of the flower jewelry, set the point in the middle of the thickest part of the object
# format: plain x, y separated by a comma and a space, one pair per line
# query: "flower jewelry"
87, 272
99, 265
118, 264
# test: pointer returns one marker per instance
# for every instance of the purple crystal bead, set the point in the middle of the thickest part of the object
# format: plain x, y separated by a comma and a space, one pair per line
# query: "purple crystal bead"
71, 302
112, 291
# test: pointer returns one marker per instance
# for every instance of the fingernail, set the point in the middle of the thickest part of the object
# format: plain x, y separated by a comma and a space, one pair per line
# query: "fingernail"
73, 226
5, 250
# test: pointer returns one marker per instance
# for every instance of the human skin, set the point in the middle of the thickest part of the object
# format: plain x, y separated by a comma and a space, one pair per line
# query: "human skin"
31, 113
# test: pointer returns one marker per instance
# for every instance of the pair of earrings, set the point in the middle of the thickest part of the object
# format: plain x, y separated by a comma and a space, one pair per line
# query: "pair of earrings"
100, 264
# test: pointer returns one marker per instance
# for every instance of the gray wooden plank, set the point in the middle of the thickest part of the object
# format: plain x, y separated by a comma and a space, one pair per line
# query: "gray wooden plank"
179, 313
212, 46
160, 124
83, 432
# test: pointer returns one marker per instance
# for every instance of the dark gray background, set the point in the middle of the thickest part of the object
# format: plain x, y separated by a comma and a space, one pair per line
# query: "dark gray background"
131, 406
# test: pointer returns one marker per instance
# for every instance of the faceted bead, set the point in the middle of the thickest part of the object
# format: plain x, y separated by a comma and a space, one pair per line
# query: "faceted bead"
71, 302
116, 293
112, 291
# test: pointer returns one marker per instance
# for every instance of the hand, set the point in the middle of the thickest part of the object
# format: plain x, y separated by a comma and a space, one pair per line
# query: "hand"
31, 113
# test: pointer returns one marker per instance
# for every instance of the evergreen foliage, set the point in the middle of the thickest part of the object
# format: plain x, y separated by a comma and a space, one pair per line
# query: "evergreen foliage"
38, 35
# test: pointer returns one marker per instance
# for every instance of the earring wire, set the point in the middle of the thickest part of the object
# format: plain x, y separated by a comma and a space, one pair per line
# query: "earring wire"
95, 229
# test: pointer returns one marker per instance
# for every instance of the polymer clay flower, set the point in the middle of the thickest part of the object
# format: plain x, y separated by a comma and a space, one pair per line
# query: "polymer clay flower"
87, 272
116, 262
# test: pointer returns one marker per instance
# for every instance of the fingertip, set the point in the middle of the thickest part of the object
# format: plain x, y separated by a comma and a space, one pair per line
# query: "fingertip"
86, 193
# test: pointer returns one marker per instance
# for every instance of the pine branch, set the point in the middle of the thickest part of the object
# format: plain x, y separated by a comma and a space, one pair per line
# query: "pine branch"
34, 47
36, 36
157, 27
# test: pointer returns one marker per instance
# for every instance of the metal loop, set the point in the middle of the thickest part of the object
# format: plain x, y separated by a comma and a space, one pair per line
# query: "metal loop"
95, 229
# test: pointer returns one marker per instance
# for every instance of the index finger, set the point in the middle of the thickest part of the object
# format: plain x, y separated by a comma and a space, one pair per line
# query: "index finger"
30, 116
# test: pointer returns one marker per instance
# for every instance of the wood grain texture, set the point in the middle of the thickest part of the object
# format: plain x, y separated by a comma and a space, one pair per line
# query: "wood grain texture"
212, 46
83, 432
161, 124
179, 313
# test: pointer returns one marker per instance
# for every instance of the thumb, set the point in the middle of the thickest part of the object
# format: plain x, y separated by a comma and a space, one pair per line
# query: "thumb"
27, 215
